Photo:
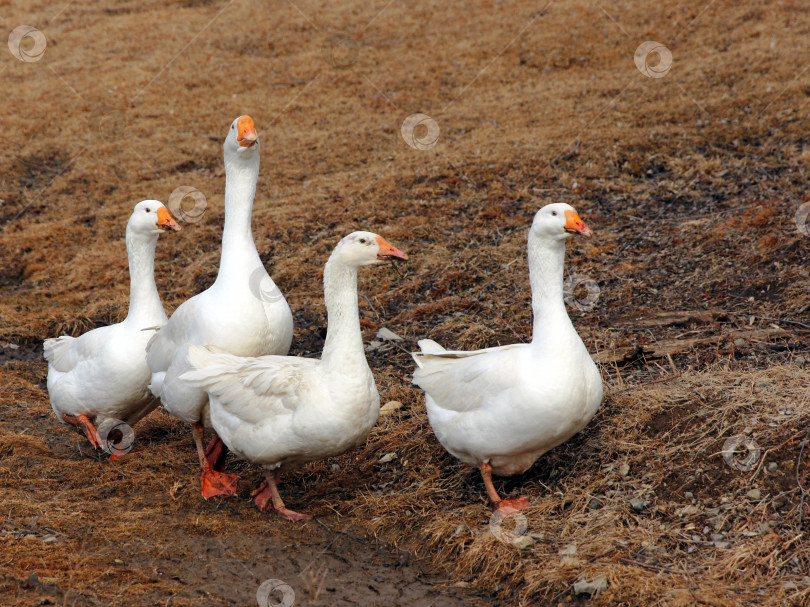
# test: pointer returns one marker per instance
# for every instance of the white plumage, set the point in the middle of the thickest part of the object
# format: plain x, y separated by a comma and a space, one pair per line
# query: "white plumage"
280, 411
502, 408
103, 374
243, 312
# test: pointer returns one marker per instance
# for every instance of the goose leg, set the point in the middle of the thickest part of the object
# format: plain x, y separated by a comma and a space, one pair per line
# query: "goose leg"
267, 496
85, 424
212, 482
505, 506
216, 452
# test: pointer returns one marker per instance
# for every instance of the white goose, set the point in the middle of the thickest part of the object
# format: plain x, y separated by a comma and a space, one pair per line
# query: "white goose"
501, 408
243, 312
103, 373
283, 411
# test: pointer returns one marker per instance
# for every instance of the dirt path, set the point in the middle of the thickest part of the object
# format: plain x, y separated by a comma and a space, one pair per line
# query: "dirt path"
318, 566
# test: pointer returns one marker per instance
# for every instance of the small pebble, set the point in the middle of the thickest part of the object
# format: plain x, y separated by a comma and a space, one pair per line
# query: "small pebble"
335, 467
592, 587
637, 504
624, 469
688, 495
389, 407
773, 467
716, 537
524, 541
49, 539
722, 545
754, 494
388, 457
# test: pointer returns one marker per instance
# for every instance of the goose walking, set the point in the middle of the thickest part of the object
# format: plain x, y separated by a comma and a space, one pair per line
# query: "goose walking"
281, 411
102, 374
500, 409
243, 312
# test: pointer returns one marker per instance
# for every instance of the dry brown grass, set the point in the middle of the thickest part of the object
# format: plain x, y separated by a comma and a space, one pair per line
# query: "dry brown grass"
690, 183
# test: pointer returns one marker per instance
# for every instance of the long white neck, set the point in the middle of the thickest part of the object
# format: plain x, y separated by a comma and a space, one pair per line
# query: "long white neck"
546, 264
144, 302
239, 255
343, 335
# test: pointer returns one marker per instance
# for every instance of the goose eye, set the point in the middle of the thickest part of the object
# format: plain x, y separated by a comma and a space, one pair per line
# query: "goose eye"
554, 213
362, 241
148, 210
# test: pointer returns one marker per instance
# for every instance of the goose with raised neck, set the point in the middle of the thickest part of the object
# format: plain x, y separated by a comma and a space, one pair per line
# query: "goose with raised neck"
101, 376
234, 314
283, 411
501, 408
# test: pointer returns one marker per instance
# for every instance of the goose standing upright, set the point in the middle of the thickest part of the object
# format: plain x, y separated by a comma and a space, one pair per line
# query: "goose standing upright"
501, 408
102, 374
243, 312
283, 411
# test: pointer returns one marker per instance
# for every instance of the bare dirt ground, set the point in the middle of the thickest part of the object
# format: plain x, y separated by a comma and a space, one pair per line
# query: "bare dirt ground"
690, 181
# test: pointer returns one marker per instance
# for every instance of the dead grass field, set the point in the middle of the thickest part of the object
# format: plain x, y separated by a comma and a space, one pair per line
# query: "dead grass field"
690, 183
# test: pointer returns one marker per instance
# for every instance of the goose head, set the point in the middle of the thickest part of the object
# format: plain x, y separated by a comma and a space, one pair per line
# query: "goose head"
365, 249
151, 217
242, 137
558, 221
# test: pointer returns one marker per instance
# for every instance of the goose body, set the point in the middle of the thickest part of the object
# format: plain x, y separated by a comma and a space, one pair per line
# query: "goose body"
103, 374
280, 411
502, 408
243, 312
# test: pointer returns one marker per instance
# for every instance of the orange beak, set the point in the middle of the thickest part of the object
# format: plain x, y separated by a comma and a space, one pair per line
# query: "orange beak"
387, 251
575, 225
246, 132
166, 221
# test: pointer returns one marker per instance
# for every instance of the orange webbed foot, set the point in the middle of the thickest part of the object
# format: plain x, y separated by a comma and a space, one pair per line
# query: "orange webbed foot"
215, 483
291, 515
507, 507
